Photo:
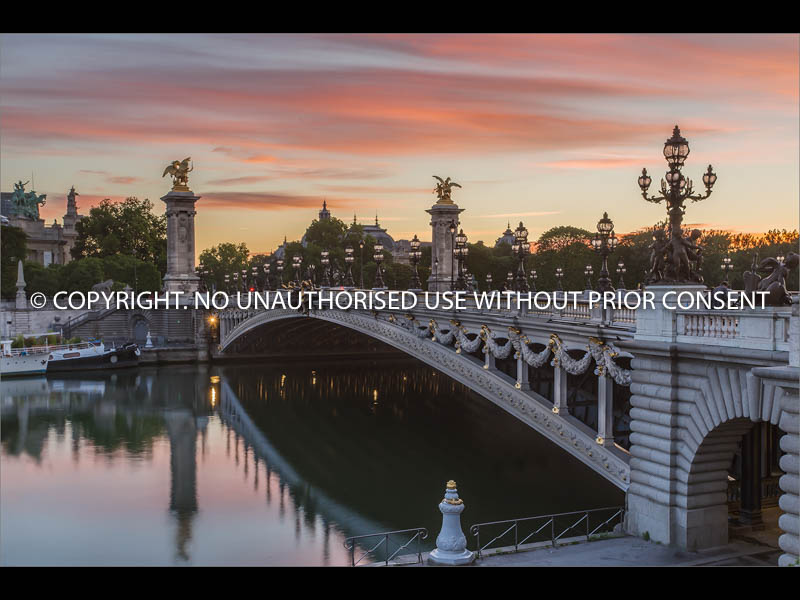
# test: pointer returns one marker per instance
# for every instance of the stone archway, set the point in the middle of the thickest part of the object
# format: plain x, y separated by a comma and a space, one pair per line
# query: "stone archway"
140, 326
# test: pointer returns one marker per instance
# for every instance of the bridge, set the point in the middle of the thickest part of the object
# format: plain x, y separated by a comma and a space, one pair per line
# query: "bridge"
656, 401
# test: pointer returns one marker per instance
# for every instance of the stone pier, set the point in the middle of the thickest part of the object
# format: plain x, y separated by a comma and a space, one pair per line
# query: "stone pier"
181, 275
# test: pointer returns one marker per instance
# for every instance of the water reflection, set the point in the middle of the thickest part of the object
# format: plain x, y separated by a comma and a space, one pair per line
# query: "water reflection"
259, 463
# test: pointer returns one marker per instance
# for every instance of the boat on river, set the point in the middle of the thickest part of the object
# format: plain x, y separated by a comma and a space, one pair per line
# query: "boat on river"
92, 355
16, 362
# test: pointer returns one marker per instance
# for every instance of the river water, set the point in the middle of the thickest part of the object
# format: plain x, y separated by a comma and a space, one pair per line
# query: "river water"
261, 463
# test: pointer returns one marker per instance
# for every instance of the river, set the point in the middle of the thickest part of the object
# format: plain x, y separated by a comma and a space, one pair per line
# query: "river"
261, 463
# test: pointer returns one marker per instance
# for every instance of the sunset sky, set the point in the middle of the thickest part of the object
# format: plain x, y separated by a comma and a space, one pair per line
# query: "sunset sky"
549, 129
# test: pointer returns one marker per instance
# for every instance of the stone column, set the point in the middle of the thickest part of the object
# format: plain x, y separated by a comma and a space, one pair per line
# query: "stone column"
523, 376
560, 391
442, 245
605, 410
181, 276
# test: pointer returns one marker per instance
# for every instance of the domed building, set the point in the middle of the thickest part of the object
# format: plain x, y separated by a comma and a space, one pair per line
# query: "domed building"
379, 233
506, 238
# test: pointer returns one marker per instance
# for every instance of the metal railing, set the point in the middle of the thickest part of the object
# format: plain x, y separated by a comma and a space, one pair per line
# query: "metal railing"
547, 524
419, 534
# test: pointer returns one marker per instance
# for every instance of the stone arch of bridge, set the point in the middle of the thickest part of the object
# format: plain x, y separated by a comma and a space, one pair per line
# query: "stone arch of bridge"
536, 411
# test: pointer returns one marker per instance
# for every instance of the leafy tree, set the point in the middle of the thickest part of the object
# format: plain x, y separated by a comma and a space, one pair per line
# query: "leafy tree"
81, 275
565, 247
326, 234
13, 248
128, 227
42, 279
225, 259
126, 270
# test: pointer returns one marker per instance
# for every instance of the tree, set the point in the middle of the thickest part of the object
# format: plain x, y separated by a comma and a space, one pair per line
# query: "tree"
225, 259
568, 248
13, 248
128, 227
81, 275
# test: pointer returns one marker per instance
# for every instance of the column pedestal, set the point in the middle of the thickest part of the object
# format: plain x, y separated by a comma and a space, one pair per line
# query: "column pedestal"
443, 277
181, 276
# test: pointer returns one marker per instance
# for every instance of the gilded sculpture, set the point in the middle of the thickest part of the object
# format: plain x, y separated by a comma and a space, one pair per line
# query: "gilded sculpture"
443, 190
179, 171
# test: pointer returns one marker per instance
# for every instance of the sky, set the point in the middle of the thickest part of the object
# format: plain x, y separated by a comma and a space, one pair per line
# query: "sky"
547, 129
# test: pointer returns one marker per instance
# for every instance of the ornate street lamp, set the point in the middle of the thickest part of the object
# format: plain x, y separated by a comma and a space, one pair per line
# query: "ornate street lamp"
414, 256
266, 277
604, 243
727, 267
588, 271
348, 258
244, 280
521, 247
297, 261
378, 256
312, 272
227, 283
534, 276
676, 252
254, 269
780, 258
460, 252
559, 277
325, 260
489, 282
280, 273
361, 260
621, 270
509, 281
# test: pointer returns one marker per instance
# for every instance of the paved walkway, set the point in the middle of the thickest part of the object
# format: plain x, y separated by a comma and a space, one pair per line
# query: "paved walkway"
631, 551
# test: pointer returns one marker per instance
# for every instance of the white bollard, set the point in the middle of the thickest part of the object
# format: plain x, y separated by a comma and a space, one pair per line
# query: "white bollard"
451, 545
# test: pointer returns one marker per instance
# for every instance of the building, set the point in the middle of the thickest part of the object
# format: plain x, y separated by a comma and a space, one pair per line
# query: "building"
47, 244
378, 233
506, 238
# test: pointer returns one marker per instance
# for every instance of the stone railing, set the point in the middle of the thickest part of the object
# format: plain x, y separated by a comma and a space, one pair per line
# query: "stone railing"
757, 329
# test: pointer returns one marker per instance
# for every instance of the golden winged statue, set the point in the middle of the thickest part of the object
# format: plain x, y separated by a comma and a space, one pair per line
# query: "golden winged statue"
443, 189
179, 171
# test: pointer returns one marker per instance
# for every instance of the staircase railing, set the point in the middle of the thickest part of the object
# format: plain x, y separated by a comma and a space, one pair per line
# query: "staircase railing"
384, 541
551, 525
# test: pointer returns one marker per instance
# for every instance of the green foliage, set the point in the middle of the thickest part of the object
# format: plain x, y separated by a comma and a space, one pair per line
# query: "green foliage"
42, 279
327, 233
225, 259
566, 247
13, 247
127, 227
19, 341
126, 270
81, 275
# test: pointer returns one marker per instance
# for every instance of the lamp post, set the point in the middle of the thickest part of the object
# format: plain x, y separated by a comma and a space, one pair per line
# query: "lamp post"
521, 247
489, 282
297, 261
414, 256
361, 260
621, 270
280, 268
348, 258
460, 252
266, 277
244, 280
378, 256
727, 267
325, 260
588, 271
676, 252
312, 271
534, 276
254, 284
559, 277
509, 281
604, 243
227, 283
